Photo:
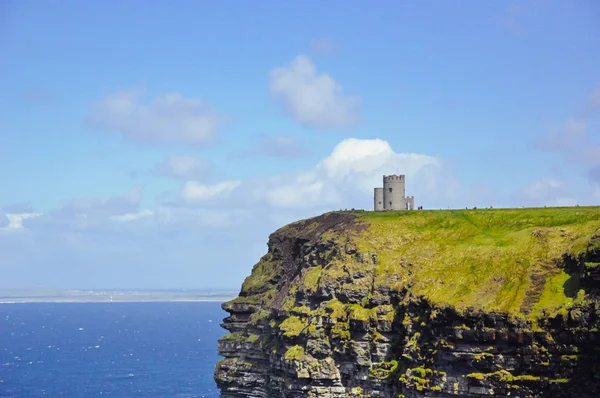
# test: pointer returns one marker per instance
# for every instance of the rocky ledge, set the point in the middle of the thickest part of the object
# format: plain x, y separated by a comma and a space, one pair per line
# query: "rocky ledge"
420, 304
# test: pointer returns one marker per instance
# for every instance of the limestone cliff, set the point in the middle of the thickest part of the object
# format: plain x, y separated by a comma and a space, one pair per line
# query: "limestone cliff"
420, 304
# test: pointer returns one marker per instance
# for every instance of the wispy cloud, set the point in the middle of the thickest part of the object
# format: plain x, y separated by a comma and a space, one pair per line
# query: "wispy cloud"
170, 118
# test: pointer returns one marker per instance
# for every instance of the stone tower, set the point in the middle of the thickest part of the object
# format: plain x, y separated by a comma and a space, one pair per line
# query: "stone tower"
394, 189
393, 195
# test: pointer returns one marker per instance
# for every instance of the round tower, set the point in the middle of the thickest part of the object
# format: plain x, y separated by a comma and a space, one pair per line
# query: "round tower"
378, 200
394, 191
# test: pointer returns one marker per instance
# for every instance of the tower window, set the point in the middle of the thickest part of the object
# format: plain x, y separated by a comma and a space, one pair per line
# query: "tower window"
390, 203
390, 189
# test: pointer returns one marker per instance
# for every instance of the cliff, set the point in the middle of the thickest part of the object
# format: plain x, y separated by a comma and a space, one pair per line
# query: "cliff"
414, 304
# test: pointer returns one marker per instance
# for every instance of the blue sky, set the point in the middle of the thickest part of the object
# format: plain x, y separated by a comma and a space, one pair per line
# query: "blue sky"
157, 144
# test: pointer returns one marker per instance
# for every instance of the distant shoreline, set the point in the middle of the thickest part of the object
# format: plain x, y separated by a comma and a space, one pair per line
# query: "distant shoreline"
58, 301
111, 296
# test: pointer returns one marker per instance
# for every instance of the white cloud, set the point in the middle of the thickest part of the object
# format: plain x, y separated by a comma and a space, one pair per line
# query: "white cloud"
193, 191
129, 217
313, 99
170, 118
183, 166
368, 157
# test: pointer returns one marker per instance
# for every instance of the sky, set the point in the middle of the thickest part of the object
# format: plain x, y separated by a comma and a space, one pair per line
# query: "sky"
156, 145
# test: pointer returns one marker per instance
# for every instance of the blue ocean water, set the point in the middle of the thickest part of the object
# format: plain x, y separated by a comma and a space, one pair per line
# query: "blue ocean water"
109, 349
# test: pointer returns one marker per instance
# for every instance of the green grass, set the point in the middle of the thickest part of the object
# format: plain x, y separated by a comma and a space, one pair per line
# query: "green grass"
311, 278
294, 353
293, 326
492, 259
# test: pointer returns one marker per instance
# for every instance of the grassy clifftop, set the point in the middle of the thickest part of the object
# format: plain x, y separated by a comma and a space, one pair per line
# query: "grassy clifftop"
509, 260
505, 260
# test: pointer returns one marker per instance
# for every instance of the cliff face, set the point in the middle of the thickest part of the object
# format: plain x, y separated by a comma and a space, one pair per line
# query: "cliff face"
436, 304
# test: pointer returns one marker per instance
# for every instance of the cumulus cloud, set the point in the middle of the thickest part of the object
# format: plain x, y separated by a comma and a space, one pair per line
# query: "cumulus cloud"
183, 166
279, 146
170, 118
313, 99
570, 135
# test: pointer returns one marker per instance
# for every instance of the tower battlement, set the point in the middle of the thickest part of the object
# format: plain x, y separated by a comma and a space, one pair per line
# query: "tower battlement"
394, 178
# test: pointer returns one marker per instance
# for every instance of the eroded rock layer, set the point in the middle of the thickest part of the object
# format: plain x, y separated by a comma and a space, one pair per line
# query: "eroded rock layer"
486, 303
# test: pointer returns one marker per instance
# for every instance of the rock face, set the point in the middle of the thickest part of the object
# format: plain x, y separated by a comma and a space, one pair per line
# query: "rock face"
348, 305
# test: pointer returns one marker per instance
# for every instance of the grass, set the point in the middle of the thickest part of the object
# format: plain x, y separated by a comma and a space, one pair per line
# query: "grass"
293, 326
492, 259
294, 353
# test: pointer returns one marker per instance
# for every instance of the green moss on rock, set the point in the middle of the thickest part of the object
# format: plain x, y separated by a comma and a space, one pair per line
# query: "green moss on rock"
293, 326
294, 353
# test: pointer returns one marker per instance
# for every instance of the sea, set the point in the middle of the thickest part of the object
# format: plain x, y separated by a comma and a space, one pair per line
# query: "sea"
165, 349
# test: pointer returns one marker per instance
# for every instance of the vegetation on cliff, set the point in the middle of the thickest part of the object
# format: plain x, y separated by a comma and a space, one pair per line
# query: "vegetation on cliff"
504, 260
463, 302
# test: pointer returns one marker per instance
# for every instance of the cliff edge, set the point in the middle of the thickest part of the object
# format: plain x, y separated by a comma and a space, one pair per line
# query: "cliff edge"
497, 302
